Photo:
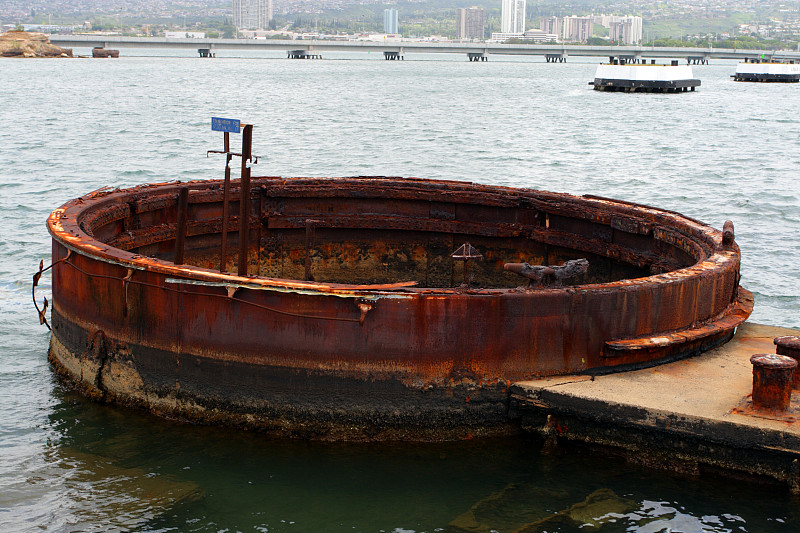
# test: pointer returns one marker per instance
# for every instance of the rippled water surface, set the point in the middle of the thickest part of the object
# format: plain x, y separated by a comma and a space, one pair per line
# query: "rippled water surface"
728, 151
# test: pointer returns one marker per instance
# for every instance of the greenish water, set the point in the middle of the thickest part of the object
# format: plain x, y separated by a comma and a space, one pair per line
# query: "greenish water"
121, 470
728, 151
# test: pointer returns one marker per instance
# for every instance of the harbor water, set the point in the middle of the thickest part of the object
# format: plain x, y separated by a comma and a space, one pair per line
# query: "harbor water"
728, 151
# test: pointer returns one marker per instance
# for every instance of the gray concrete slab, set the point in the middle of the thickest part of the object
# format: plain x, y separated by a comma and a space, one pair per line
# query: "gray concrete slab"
693, 409
708, 386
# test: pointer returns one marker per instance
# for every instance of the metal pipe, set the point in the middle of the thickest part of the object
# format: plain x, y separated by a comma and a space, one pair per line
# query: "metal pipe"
226, 192
244, 199
180, 233
309, 245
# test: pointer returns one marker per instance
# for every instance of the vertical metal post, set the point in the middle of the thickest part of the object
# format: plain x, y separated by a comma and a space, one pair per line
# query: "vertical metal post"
772, 381
180, 233
226, 192
309, 245
258, 227
789, 345
244, 199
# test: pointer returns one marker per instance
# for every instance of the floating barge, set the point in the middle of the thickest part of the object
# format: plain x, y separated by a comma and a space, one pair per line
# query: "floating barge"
627, 76
767, 71
372, 307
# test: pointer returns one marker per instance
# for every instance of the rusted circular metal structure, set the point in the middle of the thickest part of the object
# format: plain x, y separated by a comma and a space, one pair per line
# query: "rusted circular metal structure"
372, 307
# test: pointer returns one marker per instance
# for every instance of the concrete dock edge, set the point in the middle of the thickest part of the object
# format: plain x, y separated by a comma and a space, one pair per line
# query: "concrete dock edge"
691, 416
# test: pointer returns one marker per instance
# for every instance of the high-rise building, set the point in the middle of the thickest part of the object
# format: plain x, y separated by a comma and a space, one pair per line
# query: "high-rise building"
626, 30
577, 29
390, 24
551, 25
252, 14
513, 16
470, 23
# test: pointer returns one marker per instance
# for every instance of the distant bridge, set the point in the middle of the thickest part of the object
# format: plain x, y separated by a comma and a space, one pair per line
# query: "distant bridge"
396, 49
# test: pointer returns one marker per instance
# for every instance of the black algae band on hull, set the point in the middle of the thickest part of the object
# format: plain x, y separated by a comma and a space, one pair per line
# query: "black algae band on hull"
776, 78
279, 401
665, 86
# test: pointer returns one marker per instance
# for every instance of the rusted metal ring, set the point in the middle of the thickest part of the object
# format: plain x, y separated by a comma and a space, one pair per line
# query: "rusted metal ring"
773, 361
791, 342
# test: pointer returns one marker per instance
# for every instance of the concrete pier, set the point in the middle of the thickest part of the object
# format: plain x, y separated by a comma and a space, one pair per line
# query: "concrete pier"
303, 54
697, 60
392, 56
632, 59
555, 58
691, 416
477, 56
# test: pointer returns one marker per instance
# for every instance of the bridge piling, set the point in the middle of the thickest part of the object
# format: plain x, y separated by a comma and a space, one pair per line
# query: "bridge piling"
303, 54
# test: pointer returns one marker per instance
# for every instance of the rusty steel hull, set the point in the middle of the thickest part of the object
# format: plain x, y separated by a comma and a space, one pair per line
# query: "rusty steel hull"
385, 343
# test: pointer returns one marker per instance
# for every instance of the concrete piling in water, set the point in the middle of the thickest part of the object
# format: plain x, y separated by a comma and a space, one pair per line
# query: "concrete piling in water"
303, 54
789, 345
772, 381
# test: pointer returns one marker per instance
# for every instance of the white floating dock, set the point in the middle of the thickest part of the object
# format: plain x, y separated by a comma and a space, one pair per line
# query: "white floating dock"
768, 72
631, 77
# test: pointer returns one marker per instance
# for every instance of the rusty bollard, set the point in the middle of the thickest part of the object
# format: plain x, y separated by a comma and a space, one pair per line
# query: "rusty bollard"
772, 381
789, 345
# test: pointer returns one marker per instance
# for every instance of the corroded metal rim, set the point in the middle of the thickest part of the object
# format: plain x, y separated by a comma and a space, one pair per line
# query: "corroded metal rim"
66, 225
144, 331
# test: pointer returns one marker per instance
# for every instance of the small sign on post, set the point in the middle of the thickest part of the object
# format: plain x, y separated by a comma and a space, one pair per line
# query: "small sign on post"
228, 125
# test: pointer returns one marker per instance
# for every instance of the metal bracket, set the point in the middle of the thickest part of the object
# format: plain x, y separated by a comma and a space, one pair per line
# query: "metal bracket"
465, 253
36, 277
253, 158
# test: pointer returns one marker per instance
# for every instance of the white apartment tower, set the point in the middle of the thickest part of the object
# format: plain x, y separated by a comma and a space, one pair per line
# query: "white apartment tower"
390, 21
513, 16
252, 14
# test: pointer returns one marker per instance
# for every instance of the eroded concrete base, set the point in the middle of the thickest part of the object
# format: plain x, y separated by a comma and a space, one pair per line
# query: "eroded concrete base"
685, 416
315, 408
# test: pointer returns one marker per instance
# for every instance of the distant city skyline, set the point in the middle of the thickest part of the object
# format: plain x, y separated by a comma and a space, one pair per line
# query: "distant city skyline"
622, 29
774, 21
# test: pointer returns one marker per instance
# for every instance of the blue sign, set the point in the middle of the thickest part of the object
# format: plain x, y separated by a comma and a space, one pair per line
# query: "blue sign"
229, 125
